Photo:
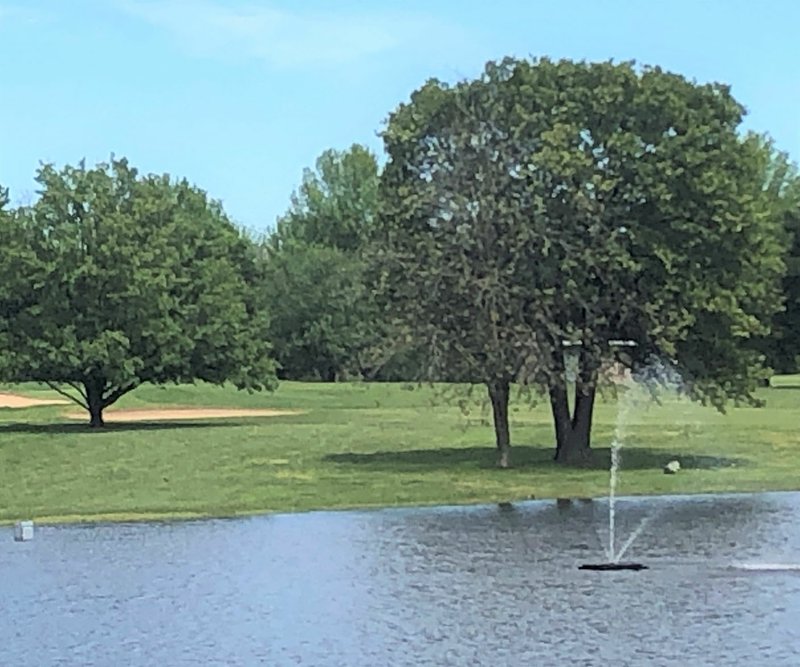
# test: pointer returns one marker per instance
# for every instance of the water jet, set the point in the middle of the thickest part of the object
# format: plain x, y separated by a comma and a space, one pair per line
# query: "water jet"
646, 382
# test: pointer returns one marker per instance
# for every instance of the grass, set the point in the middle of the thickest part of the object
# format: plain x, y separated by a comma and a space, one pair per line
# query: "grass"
360, 445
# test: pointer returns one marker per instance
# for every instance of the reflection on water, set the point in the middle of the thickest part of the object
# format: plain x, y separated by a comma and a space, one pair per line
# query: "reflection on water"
447, 586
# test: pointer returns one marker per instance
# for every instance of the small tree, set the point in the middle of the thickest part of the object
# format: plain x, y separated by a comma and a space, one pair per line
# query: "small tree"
322, 315
557, 202
128, 279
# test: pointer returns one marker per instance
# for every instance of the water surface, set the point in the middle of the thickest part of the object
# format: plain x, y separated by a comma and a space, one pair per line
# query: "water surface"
445, 586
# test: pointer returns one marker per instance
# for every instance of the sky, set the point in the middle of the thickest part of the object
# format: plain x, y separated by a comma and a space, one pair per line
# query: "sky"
240, 96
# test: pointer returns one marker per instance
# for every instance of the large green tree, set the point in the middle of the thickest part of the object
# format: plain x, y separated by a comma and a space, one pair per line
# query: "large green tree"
121, 279
782, 188
321, 316
787, 352
336, 203
14, 294
322, 322
549, 204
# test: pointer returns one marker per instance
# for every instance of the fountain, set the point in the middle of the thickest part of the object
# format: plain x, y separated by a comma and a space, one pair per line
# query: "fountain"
655, 375
614, 557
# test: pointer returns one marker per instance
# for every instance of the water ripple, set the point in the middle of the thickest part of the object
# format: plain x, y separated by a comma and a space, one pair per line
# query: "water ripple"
446, 586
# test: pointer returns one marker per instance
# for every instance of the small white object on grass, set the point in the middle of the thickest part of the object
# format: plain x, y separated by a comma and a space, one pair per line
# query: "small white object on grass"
672, 467
23, 531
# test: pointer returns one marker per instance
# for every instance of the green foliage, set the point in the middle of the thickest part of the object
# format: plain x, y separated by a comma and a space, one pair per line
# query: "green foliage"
323, 319
552, 201
15, 292
782, 190
320, 313
120, 279
335, 206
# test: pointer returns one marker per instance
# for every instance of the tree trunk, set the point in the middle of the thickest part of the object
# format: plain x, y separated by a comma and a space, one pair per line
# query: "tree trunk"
575, 446
574, 430
94, 400
498, 393
559, 404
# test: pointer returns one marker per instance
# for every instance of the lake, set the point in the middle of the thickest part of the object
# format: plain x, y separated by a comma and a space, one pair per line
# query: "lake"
481, 585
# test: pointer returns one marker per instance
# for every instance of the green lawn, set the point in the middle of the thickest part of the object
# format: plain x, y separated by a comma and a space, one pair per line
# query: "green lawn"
361, 445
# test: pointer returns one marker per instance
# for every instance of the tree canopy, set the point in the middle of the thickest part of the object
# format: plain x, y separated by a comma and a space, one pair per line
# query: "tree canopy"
323, 320
782, 187
14, 291
321, 315
121, 279
549, 206
336, 204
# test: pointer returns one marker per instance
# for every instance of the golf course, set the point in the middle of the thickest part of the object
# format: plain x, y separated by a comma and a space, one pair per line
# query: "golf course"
190, 451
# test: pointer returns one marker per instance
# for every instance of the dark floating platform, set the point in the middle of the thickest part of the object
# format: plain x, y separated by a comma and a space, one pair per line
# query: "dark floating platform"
606, 567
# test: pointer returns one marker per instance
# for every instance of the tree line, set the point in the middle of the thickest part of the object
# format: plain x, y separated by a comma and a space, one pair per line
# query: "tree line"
538, 212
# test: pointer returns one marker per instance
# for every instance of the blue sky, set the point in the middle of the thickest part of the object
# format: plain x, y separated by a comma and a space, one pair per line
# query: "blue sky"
240, 96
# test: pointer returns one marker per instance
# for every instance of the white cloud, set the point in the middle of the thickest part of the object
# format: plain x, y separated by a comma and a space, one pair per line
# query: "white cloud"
288, 39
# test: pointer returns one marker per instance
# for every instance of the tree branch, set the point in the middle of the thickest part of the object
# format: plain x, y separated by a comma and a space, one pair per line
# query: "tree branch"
118, 393
84, 404
388, 354
80, 391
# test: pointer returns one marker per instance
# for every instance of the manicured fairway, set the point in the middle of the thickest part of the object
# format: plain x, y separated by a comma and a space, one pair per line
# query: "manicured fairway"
360, 445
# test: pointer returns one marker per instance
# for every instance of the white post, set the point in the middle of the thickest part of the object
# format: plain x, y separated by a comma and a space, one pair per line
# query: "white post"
23, 531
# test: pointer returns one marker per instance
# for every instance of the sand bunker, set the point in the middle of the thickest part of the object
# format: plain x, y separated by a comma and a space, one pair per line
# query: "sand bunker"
166, 414
16, 401
171, 414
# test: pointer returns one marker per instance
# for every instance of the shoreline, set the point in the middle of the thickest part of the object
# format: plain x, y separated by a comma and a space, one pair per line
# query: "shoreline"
119, 518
